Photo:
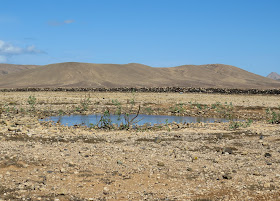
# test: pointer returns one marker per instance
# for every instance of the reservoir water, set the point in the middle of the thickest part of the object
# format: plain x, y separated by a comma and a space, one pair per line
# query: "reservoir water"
89, 120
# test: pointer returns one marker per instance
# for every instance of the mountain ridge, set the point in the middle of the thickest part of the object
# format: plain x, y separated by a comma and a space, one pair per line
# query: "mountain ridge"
12, 68
75, 74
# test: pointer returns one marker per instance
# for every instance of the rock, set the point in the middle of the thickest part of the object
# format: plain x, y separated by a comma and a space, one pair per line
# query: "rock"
106, 190
25, 165
161, 164
62, 170
119, 162
157, 140
189, 169
227, 176
265, 144
268, 155
269, 163
71, 164
227, 150
12, 129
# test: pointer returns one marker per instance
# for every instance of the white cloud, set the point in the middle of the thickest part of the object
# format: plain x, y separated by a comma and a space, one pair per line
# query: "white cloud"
32, 49
7, 50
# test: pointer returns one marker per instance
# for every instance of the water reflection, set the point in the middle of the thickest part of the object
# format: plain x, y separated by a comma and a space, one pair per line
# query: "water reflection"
142, 119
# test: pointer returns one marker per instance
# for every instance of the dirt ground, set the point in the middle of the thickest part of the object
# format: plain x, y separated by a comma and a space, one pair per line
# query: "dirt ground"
201, 161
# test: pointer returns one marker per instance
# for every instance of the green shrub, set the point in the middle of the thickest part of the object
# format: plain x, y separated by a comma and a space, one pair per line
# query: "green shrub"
105, 120
84, 103
32, 102
275, 118
148, 110
178, 108
238, 124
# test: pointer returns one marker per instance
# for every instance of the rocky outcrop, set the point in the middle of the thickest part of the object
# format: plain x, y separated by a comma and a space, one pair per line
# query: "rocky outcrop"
274, 76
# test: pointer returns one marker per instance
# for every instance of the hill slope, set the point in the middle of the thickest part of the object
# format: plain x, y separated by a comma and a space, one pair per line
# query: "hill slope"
74, 74
274, 76
12, 68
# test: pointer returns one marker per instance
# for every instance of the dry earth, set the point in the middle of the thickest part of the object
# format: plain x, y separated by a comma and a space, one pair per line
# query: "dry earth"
203, 161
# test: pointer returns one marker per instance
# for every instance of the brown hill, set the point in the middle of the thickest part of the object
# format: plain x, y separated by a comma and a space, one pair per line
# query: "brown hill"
73, 74
274, 76
12, 68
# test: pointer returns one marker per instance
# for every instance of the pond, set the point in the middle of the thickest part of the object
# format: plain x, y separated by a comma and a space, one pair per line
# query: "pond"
142, 119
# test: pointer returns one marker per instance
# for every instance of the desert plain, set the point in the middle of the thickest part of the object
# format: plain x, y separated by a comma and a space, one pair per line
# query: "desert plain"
195, 161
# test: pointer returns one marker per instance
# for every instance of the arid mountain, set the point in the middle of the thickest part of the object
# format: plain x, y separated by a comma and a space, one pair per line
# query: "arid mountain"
12, 68
74, 74
274, 76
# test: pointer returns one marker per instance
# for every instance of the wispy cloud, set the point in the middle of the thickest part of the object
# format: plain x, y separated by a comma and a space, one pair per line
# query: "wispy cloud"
59, 23
3, 59
69, 21
7, 50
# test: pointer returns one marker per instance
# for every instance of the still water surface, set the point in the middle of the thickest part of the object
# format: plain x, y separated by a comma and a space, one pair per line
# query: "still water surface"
142, 119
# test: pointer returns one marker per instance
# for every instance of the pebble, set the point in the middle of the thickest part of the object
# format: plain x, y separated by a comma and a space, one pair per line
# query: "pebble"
268, 155
227, 176
71, 164
189, 169
267, 185
14, 129
106, 190
157, 140
265, 144
227, 150
62, 170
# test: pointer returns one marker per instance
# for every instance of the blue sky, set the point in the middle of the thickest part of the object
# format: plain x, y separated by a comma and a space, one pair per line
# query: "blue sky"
159, 33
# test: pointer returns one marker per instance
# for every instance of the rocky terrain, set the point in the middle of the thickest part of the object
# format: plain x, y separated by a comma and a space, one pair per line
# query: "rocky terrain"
274, 76
202, 161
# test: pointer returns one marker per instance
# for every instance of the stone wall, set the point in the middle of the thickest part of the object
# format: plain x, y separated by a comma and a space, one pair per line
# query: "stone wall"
155, 89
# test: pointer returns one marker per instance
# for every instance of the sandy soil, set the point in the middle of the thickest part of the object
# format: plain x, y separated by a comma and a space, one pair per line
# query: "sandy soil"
203, 161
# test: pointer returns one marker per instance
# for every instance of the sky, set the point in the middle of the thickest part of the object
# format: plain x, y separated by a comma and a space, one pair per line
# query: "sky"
158, 33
